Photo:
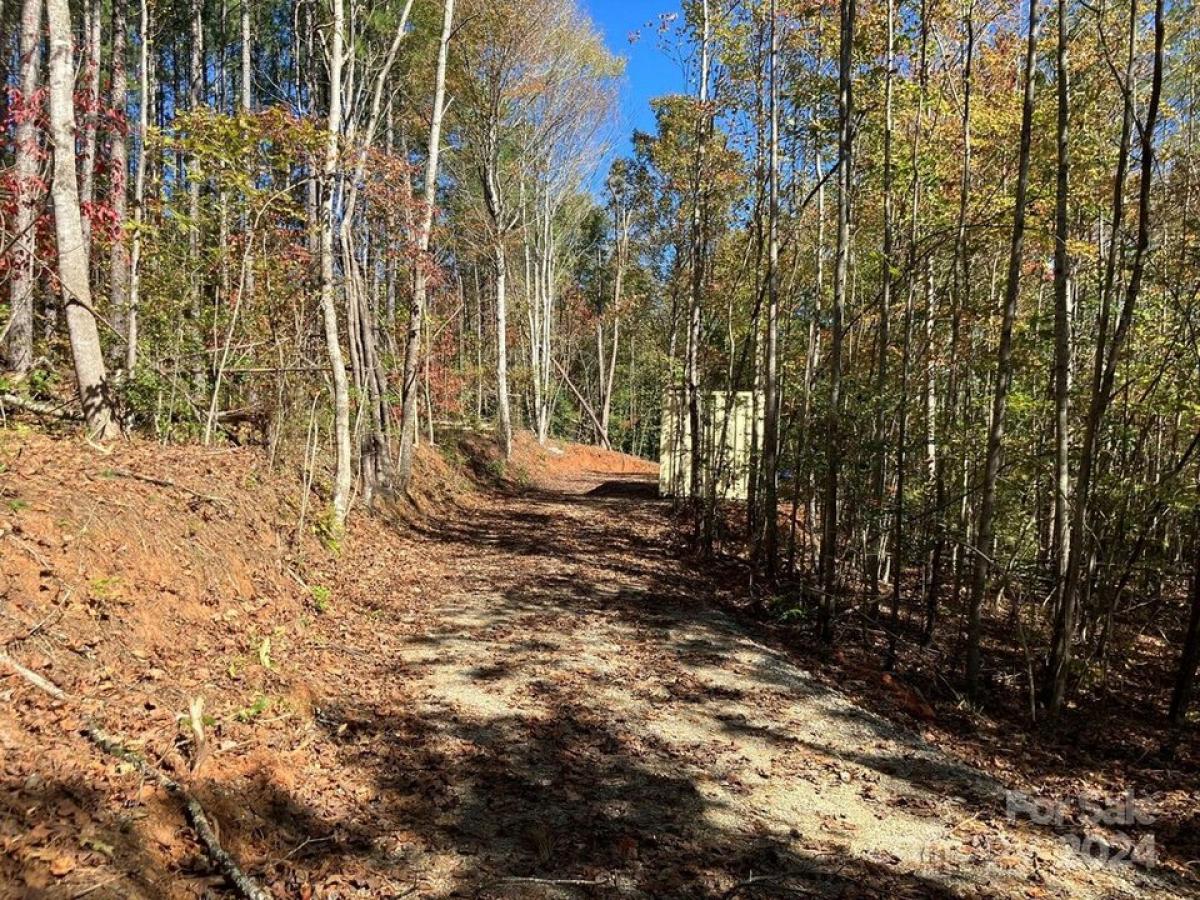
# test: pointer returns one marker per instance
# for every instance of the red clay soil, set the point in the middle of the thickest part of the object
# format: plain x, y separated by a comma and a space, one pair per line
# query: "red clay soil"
143, 578
530, 461
563, 460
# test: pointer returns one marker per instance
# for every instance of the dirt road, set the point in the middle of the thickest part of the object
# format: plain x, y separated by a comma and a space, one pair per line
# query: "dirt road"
569, 714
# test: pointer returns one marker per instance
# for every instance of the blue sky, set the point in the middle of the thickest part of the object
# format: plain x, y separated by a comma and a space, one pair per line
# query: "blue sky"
649, 71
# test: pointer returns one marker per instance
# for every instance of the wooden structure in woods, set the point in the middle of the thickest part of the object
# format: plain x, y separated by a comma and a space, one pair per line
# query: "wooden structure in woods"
731, 425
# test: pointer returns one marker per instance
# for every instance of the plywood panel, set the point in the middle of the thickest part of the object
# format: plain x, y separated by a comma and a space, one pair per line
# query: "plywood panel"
726, 443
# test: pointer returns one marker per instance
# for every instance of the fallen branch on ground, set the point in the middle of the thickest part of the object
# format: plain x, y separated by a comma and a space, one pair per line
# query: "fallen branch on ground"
95, 887
42, 684
37, 407
43, 625
201, 824
577, 882
812, 872
168, 483
762, 879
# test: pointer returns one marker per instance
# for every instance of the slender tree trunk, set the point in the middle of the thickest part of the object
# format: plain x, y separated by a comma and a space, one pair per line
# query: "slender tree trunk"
985, 530
608, 372
306, 100
195, 99
770, 447
376, 469
502, 404
341, 387
139, 187
900, 521
87, 151
1061, 541
829, 513
533, 247
756, 233
501, 224
118, 188
1102, 388
545, 364
478, 345
960, 271
812, 357
695, 298
68, 226
1189, 659
608, 378
247, 67
876, 528
408, 427
18, 344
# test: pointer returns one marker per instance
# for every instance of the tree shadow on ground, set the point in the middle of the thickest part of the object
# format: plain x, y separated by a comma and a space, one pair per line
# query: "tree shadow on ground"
59, 836
517, 802
522, 801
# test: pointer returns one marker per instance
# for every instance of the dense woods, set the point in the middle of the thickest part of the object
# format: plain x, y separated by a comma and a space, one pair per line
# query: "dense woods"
953, 248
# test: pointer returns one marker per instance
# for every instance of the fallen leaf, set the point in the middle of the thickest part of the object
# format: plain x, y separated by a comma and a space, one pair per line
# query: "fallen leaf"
62, 865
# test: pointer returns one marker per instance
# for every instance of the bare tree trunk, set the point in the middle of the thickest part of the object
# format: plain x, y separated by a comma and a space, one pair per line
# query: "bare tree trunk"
608, 379
68, 226
541, 308
829, 513
478, 344
876, 530
770, 444
1067, 593
812, 356
608, 372
985, 530
502, 405
376, 469
118, 189
341, 388
900, 521
1102, 388
306, 100
91, 79
501, 224
960, 272
695, 300
1061, 541
531, 238
195, 99
408, 425
18, 344
247, 73
139, 187
757, 233
1189, 659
